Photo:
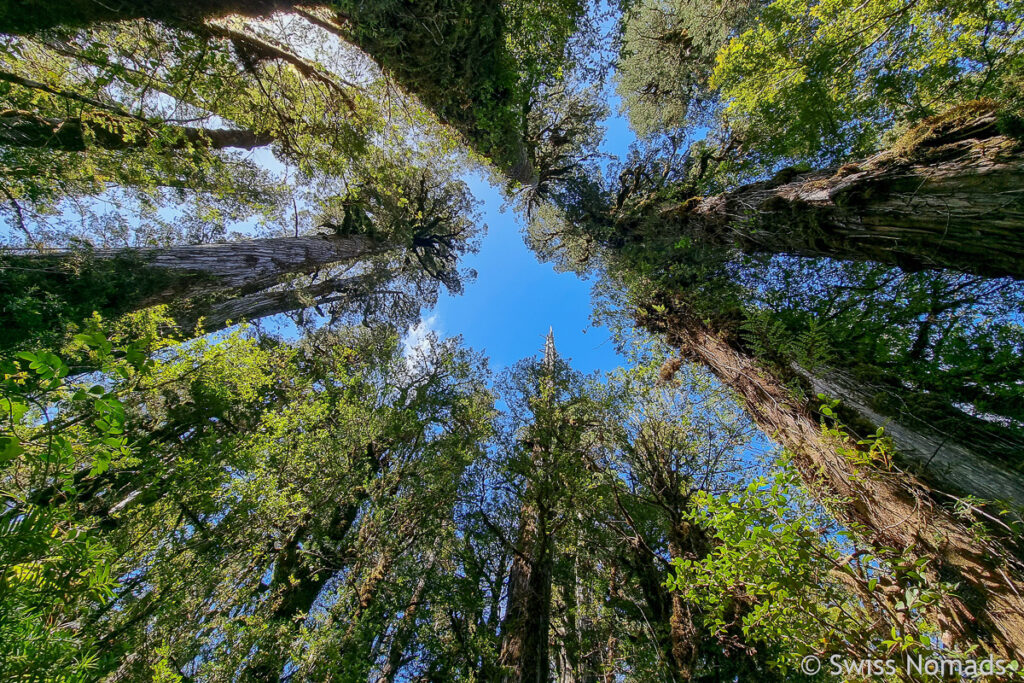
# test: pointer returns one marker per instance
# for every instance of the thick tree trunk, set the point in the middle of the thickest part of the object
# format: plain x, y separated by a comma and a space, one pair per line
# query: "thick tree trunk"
251, 265
524, 650
298, 580
25, 129
950, 196
890, 509
115, 282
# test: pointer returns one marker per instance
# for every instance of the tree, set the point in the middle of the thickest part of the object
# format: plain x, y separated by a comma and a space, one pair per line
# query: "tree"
815, 80
209, 498
892, 508
28, 16
894, 208
780, 578
416, 216
840, 76
549, 434
671, 443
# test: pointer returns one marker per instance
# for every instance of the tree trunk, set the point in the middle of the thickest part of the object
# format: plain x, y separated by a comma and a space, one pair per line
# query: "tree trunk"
25, 129
29, 16
298, 578
266, 303
70, 285
250, 265
689, 542
404, 630
947, 464
524, 649
890, 509
947, 196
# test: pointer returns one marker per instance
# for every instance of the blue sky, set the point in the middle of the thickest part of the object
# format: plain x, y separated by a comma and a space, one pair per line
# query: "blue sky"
507, 310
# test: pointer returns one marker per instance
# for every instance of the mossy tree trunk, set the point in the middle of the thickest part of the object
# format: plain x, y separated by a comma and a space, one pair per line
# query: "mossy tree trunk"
524, 653
949, 196
25, 129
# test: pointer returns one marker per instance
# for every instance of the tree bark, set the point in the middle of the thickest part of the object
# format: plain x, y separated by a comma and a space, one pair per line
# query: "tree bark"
948, 196
85, 281
25, 129
524, 650
250, 265
891, 509
660, 604
949, 465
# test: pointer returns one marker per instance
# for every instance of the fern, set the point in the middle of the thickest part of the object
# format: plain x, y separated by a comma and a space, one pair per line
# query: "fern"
765, 335
813, 348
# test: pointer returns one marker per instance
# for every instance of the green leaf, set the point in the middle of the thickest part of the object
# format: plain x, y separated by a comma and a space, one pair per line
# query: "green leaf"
15, 409
10, 448
100, 463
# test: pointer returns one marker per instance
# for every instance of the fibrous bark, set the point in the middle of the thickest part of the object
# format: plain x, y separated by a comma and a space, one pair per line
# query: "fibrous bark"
68, 286
686, 541
950, 195
890, 509
245, 266
524, 648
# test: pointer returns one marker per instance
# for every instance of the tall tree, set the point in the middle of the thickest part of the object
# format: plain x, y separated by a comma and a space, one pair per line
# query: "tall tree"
890, 507
421, 223
941, 197
548, 445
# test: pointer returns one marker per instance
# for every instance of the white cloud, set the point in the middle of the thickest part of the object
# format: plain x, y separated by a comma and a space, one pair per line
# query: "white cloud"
418, 340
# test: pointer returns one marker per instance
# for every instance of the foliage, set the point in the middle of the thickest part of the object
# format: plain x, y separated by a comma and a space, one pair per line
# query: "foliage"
666, 59
57, 435
781, 575
339, 505
167, 478
840, 76
477, 66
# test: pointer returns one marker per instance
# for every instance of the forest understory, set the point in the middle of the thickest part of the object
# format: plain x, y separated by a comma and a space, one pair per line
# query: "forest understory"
234, 448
